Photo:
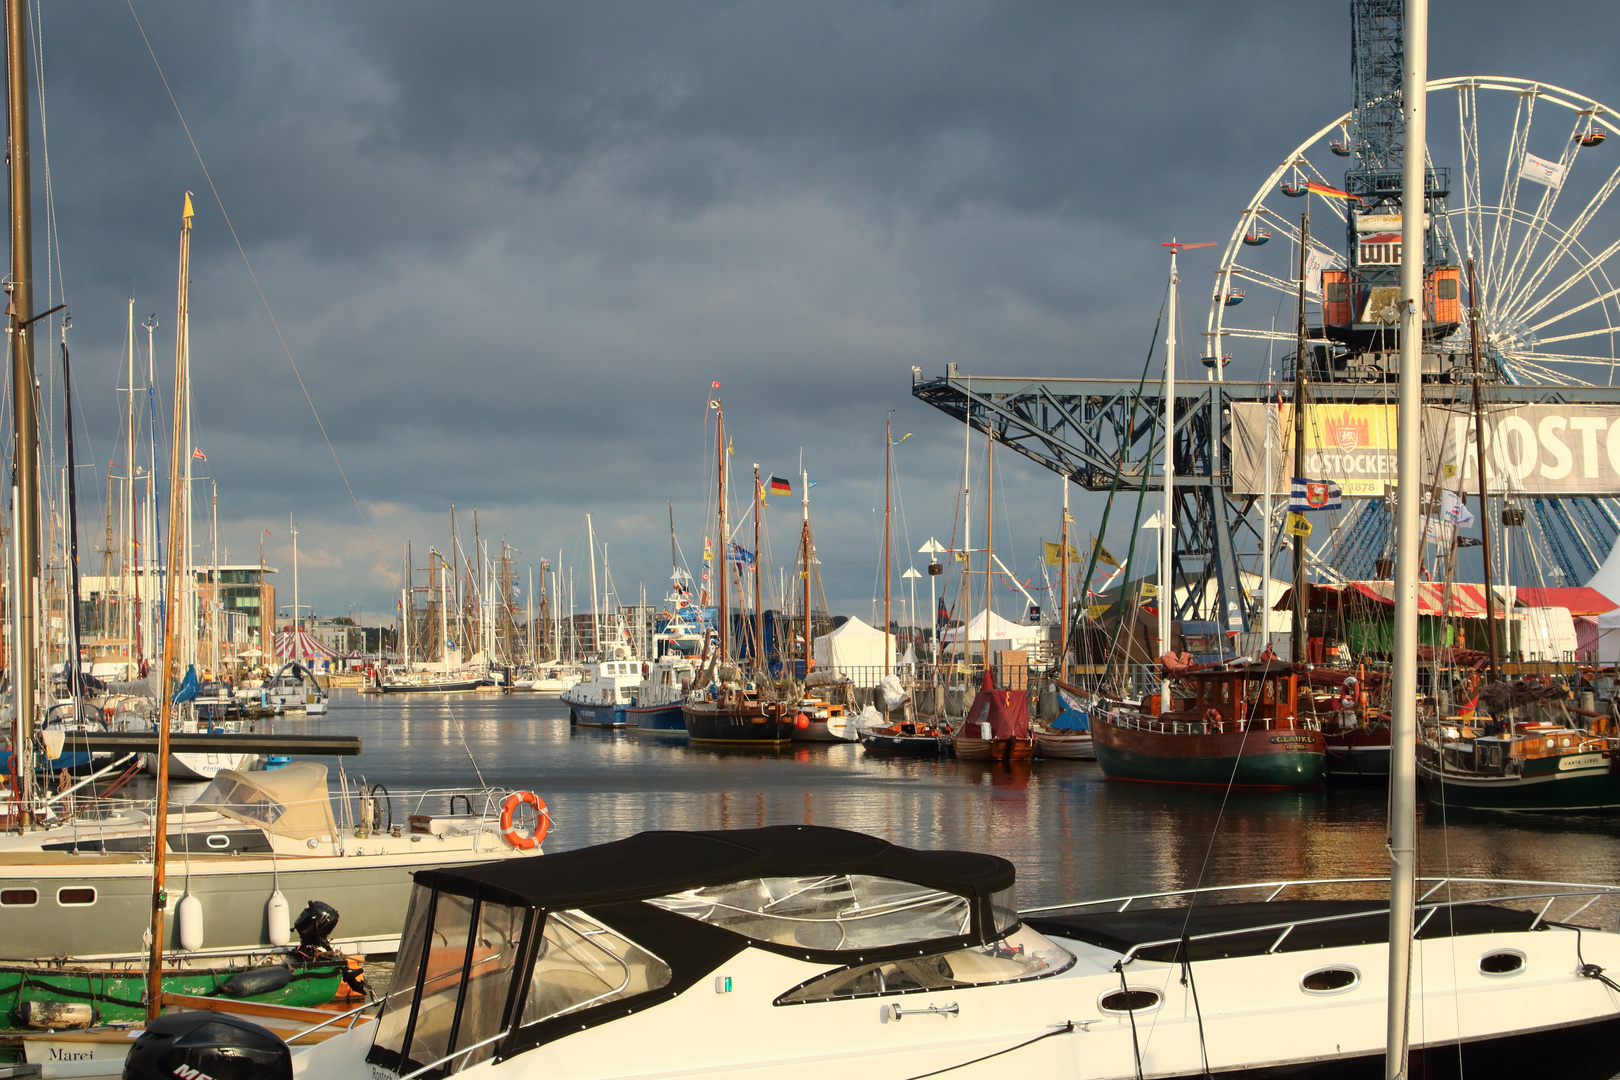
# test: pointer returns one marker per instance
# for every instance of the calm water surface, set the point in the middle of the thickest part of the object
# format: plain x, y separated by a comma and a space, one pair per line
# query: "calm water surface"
1070, 832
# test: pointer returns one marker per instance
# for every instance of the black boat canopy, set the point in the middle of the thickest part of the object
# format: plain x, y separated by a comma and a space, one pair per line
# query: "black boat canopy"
654, 864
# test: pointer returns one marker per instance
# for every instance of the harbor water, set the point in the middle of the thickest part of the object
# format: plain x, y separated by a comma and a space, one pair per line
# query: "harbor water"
1070, 832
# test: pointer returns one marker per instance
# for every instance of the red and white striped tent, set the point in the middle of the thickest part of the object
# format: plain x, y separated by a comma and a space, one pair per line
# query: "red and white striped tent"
309, 647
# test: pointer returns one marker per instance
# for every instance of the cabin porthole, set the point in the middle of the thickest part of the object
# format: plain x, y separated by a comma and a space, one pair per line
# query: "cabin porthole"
218, 841
1330, 980
75, 896
1133, 999
1502, 963
19, 897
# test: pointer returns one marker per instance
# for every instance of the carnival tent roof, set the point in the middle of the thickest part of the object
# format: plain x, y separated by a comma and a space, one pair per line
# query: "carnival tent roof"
1454, 600
309, 647
1579, 599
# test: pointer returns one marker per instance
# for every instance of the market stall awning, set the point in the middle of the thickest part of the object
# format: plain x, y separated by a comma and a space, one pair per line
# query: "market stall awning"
1462, 600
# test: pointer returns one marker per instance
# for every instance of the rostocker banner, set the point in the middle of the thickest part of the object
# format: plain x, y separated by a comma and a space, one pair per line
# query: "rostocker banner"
1536, 449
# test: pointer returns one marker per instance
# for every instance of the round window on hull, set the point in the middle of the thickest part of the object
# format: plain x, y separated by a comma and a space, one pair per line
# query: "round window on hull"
1503, 962
1330, 980
1132, 1000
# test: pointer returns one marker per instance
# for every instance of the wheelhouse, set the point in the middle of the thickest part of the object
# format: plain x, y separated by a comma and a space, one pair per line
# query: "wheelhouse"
498, 958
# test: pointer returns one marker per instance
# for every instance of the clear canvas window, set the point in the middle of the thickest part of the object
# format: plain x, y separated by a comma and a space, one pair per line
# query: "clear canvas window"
396, 1011
582, 963
830, 912
1024, 954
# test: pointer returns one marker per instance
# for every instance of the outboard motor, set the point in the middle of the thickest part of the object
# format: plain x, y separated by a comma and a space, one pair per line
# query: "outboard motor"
197, 1044
314, 927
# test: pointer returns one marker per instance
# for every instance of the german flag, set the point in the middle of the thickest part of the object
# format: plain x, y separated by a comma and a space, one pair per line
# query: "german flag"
1330, 192
779, 486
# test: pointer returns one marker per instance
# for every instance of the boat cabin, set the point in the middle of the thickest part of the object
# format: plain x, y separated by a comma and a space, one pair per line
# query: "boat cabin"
500, 958
1263, 696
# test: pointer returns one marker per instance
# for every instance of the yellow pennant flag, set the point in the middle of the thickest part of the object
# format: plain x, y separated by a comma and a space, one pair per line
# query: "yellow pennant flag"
1297, 525
961, 556
1105, 558
1149, 591
1097, 611
1054, 554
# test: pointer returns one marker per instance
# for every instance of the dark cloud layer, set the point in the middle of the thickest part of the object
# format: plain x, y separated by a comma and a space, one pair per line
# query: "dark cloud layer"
510, 245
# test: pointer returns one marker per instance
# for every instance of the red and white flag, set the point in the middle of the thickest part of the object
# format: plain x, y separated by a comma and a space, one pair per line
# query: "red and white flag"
196, 452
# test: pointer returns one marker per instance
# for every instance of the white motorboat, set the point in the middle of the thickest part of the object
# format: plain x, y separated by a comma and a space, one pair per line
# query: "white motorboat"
798, 950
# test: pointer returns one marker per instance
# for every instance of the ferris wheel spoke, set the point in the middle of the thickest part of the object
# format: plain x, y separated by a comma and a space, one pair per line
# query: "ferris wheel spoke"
1502, 228
1282, 285
1468, 149
1608, 331
1259, 335
1536, 228
1527, 363
1590, 264
1569, 240
1599, 299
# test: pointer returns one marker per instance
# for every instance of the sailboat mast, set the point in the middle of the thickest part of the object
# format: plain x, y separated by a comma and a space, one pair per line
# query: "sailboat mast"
720, 563
73, 628
1479, 463
759, 612
989, 532
1167, 532
171, 587
298, 650
127, 547
1063, 580
25, 451
1408, 545
888, 474
804, 548
1297, 630
596, 610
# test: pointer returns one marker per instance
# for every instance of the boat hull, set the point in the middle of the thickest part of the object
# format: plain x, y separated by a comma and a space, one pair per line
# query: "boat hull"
993, 749
656, 718
459, 686
906, 745
116, 992
746, 724
1069, 747
599, 716
1578, 786
1259, 758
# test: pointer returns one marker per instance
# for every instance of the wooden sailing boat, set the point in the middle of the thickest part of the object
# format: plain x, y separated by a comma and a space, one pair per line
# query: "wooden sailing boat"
727, 707
996, 727
1204, 725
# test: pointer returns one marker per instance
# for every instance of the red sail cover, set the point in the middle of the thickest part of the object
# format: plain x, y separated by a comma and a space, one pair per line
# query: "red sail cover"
1006, 711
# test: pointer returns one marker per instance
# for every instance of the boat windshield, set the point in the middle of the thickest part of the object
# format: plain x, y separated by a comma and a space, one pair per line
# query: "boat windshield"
834, 912
456, 956
582, 963
1023, 954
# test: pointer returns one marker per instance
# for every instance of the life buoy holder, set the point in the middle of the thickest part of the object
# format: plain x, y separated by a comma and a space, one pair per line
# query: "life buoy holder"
542, 824
1212, 720
644, 669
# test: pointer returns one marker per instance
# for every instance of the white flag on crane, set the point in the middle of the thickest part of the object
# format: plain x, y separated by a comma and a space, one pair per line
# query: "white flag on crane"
1542, 171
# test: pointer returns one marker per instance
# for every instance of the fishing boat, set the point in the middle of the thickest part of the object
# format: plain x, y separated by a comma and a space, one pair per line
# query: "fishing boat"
910, 738
727, 706
603, 694
795, 951
295, 689
1069, 733
996, 727
679, 636
1506, 765
1235, 726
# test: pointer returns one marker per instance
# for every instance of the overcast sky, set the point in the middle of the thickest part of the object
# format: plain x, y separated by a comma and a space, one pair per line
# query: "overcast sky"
510, 246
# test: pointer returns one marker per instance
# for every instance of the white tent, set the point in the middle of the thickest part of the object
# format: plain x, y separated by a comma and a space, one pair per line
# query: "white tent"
1004, 634
854, 645
1608, 641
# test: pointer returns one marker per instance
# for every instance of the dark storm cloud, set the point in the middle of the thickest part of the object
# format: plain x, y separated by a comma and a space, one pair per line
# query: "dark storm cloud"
510, 245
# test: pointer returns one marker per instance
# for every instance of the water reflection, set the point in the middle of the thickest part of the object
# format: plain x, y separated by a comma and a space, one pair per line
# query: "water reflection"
1070, 831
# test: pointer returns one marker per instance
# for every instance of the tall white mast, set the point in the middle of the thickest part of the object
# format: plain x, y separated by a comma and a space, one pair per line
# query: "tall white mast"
127, 541
1408, 545
596, 612
1167, 532
298, 652
444, 618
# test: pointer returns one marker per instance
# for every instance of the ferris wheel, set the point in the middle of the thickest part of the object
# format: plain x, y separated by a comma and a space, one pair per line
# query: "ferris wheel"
1530, 188
1530, 191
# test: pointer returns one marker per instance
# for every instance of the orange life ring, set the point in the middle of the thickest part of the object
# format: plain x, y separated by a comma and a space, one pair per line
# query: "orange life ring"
542, 820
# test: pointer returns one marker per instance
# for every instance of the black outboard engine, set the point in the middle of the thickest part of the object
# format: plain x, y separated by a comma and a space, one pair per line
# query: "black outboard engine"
314, 927
197, 1044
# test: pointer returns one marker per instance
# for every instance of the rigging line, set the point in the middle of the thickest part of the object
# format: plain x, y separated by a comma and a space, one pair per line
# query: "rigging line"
263, 299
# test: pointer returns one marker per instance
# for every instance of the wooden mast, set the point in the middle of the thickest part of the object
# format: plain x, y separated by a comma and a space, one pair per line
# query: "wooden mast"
888, 471
1479, 467
989, 532
1297, 645
1063, 596
171, 624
